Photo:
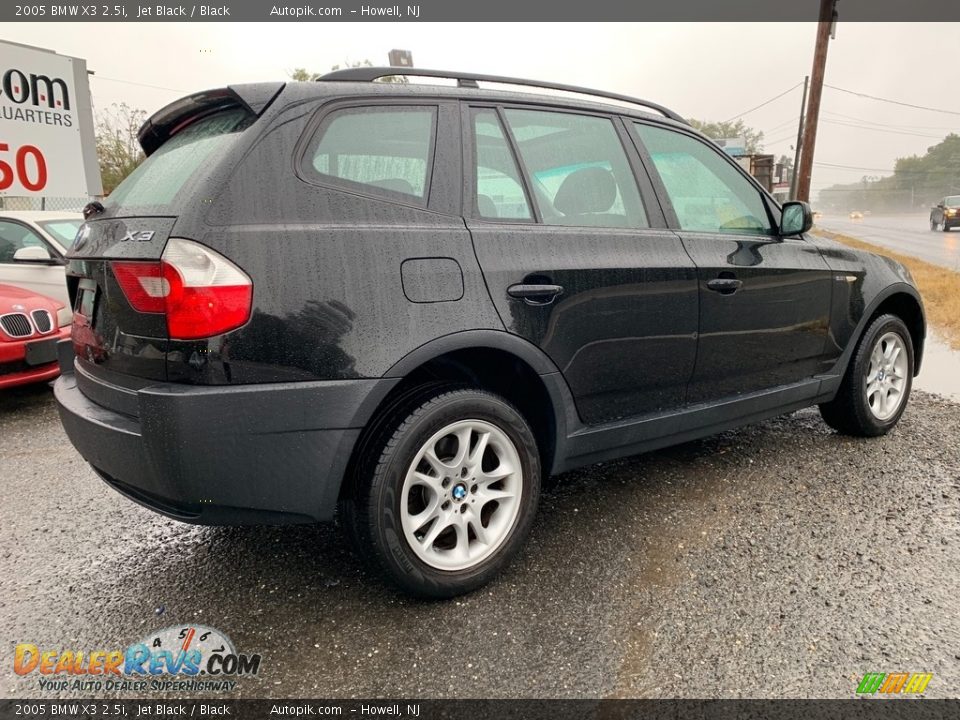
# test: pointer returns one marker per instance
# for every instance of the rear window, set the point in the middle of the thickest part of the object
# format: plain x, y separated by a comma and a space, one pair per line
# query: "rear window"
164, 174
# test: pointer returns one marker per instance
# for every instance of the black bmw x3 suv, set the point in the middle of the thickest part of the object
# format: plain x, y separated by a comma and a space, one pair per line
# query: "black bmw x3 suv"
409, 303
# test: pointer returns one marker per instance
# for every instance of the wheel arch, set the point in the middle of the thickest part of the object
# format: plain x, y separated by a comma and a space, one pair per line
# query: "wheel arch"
488, 359
900, 299
904, 302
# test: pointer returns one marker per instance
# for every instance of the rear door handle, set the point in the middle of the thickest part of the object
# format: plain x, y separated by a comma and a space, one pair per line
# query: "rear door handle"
725, 286
535, 294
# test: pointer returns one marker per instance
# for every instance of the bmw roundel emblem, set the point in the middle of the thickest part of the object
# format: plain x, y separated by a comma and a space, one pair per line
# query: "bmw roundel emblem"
81, 238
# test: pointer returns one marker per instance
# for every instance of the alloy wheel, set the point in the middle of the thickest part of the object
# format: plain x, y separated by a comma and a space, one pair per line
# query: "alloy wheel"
886, 378
461, 495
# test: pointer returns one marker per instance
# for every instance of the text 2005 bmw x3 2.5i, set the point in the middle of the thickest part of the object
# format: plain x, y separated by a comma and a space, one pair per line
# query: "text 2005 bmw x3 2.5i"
414, 302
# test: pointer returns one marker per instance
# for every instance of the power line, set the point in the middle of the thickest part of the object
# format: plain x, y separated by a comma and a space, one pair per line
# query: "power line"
781, 125
883, 170
892, 102
883, 130
850, 167
133, 82
791, 136
953, 128
775, 97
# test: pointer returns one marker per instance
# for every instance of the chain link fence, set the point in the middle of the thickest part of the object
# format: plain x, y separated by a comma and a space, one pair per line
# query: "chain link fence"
59, 204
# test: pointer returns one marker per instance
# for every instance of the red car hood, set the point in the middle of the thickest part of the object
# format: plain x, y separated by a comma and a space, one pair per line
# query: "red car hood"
15, 299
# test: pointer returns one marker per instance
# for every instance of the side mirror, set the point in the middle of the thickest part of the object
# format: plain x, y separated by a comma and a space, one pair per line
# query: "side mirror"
796, 219
34, 253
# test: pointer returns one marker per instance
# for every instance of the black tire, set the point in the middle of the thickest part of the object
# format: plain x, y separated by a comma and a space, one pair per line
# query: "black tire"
849, 412
372, 513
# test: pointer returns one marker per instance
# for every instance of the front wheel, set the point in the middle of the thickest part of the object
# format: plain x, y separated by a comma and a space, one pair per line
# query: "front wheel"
448, 494
874, 391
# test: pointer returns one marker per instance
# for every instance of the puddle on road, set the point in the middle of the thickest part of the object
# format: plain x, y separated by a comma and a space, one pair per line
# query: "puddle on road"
940, 370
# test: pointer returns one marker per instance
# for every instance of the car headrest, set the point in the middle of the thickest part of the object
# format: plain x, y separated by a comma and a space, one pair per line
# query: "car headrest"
587, 190
486, 206
395, 184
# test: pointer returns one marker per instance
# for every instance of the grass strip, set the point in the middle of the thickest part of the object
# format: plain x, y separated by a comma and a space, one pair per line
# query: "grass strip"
939, 286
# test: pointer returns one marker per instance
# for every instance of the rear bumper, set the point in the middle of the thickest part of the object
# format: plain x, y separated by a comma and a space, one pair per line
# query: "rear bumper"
254, 454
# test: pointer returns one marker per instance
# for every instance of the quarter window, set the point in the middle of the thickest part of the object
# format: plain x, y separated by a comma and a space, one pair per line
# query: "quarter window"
577, 169
386, 151
708, 194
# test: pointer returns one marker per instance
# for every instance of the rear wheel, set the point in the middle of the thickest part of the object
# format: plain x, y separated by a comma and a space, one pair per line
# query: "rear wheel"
448, 492
877, 384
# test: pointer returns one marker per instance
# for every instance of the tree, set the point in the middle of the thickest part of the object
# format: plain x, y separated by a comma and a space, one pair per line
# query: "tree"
916, 183
118, 148
717, 130
303, 75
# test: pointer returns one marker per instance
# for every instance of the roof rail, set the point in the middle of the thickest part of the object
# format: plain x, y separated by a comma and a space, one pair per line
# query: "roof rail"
469, 80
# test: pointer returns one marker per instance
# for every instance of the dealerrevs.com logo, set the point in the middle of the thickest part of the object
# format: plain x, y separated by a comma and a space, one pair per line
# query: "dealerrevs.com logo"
894, 683
191, 659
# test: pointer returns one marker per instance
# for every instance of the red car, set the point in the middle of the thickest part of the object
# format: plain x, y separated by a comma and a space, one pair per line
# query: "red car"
28, 337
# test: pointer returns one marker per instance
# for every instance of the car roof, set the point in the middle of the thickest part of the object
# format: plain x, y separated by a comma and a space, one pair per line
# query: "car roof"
294, 91
40, 215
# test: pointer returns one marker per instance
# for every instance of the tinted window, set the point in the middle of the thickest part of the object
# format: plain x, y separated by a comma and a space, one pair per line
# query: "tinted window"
386, 150
707, 192
952, 201
14, 236
499, 191
578, 169
162, 175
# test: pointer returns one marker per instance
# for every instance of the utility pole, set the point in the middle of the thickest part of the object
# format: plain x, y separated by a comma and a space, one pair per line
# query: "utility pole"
796, 155
809, 142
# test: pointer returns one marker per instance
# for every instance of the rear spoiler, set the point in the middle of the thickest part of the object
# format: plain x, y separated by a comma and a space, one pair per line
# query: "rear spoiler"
166, 122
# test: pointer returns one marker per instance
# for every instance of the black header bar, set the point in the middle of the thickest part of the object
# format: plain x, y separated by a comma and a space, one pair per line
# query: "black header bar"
476, 11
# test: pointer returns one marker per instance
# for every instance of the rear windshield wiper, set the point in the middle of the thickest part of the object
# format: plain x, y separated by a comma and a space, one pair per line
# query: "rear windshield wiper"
94, 207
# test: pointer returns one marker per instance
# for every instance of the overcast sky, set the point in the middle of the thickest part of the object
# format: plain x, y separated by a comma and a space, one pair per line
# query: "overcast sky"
707, 71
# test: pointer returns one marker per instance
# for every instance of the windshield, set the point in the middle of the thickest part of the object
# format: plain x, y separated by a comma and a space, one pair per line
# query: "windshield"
62, 231
162, 175
952, 201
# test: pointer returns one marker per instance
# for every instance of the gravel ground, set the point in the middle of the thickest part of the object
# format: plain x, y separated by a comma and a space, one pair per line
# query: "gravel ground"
780, 560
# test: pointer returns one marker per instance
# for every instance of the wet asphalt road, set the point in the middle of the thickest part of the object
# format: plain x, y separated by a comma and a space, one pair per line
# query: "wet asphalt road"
907, 234
778, 560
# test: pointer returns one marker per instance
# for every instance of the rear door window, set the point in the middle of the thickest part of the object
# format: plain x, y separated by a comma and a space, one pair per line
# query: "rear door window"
577, 169
384, 151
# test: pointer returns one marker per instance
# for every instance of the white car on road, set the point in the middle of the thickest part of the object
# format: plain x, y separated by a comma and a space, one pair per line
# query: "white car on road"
32, 249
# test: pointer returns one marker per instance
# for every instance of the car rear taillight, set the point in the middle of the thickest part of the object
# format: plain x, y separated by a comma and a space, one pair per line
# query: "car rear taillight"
201, 293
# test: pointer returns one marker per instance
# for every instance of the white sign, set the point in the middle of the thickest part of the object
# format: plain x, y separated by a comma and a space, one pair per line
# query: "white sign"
47, 143
733, 146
